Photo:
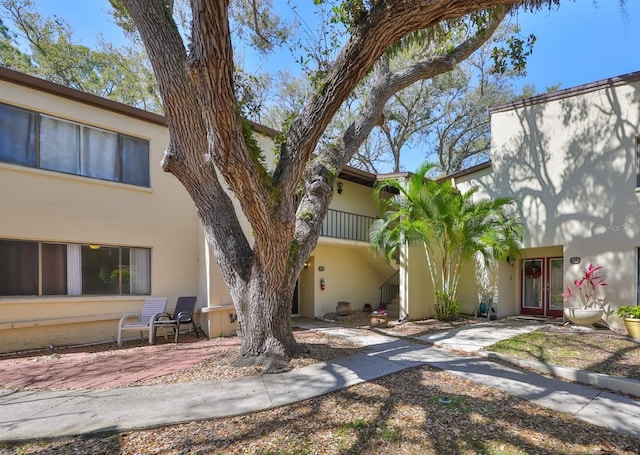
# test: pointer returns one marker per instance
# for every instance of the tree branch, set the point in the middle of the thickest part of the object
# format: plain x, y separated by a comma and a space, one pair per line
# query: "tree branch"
188, 156
385, 24
389, 84
256, 23
317, 190
211, 66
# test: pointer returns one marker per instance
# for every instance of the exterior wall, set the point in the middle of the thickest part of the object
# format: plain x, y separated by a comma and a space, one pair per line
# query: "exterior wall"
350, 274
308, 287
355, 198
468, 292
48, 206
571, 163
508, 298
416, 287
351, 271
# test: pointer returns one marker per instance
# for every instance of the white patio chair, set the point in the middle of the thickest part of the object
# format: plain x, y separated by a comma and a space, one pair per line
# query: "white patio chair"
153, 306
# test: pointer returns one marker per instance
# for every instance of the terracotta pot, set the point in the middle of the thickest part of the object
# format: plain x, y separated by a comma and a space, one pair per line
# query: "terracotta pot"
343, 308
582, 316
379, 321
633, 327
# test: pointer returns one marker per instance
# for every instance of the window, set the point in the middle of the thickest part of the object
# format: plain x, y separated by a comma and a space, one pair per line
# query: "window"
99, 155
135, 153
638, 162
59, 145
39, 268
17, 136
38, 140
18, 268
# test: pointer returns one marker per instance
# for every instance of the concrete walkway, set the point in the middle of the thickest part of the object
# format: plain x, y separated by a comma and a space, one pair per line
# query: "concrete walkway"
40, 414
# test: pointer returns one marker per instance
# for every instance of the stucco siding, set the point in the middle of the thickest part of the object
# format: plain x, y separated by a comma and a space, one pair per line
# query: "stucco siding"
53, 207
348, 276
571, 164
355, 198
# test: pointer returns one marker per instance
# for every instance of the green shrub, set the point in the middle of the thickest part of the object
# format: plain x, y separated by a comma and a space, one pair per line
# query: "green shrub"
447, 308
632, 312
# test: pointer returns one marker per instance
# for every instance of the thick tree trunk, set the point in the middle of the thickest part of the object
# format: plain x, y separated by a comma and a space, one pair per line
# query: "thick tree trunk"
267, 338
208, 139
263, 295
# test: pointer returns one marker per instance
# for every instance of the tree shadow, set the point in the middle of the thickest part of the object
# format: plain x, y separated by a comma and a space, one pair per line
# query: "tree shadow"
601, 351
420, 410
571, 164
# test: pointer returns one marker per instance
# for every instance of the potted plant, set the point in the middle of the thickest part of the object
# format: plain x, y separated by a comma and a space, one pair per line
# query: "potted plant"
585, 294
631, 317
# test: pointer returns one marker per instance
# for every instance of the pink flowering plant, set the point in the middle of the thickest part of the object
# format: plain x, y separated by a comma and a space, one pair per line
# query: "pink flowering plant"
586, 288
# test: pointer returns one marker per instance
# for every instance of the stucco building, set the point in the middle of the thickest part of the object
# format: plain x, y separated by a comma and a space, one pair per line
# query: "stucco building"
571, 158
90, 224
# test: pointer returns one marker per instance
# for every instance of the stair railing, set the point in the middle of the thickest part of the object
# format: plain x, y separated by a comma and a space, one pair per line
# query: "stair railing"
389, 289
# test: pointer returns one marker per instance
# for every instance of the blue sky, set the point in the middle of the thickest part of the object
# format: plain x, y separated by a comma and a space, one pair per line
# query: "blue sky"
576, 44
581, 43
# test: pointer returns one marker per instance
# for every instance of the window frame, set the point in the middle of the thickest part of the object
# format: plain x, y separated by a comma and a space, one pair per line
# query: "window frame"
637, 144
76, 271
140, 180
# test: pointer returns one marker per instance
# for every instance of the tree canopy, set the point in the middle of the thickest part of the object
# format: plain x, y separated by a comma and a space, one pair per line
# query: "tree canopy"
46, 48
211, 148
212, 151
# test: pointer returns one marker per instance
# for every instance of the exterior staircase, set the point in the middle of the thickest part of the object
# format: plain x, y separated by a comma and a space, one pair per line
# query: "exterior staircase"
390, 296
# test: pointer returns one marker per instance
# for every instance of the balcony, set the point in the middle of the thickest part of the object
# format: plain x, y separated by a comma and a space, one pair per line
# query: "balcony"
348, 226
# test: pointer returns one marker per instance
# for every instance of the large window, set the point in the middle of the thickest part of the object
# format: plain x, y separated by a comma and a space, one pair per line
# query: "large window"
39, 268
38, 140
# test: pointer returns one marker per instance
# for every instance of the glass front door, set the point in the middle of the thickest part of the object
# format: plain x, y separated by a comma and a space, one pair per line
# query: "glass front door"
542, 286
556, 286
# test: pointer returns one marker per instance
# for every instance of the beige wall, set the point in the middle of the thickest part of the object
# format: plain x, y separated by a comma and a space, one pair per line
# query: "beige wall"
307, 288
571, 163
468, 291
416, 287
54, 207
355, 198
351, 274
48, 206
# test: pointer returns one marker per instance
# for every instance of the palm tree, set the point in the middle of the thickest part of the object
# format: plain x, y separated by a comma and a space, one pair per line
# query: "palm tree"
452, 226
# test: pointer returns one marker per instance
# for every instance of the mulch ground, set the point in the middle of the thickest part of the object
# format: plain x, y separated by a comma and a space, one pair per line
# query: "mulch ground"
419, 411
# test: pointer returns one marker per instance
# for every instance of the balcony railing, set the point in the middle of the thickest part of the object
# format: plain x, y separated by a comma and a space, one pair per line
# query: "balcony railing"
344, 225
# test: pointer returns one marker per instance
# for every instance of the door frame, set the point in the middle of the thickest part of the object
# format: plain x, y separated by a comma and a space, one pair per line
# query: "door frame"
295, 302
544, 287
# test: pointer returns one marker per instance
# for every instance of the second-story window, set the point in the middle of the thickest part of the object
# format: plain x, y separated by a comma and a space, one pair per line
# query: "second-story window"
638, 162
37, 140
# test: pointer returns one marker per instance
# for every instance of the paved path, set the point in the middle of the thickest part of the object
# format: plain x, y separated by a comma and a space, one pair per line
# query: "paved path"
33, 415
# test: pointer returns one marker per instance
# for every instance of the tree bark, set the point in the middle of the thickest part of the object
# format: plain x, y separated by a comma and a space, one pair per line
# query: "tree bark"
208, 139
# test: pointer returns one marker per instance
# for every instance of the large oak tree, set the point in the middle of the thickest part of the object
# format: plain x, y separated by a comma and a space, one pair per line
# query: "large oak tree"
211, 147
